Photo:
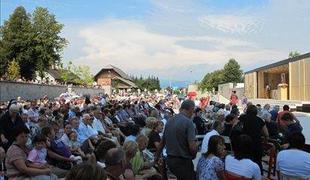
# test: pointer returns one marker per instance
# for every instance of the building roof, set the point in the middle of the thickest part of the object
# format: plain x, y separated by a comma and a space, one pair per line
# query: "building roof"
279, 63
57, 73
129, 82
117, 70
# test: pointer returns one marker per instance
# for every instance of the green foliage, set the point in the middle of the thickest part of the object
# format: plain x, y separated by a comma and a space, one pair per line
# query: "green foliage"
293, 54
212, 80
16, 42
13, 70
230, 73
33, 41
47, 43
150, 83
77, 74
84, 74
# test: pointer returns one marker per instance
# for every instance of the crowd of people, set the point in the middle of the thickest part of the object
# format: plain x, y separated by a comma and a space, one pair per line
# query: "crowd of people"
148, 136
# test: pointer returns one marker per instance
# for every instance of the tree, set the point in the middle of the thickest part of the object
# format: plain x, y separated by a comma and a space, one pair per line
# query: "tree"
16, 41
293, 54
212, 80
77, 74
47, 42
34, 42
83, 72
150, 83
232, 72
13, 70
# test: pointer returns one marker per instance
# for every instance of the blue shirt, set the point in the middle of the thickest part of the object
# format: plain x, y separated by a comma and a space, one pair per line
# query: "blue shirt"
85, 131
274, 115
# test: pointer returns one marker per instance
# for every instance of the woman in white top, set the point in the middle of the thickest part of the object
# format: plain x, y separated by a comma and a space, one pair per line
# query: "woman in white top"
241, 164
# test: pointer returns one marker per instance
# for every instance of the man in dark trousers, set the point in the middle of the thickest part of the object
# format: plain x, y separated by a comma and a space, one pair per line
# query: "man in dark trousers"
180, 141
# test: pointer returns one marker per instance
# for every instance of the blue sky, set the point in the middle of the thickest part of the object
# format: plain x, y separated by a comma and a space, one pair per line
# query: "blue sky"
178, 40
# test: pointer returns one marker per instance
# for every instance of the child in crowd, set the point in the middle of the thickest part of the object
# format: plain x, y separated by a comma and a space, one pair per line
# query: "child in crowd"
37, 156
74, 145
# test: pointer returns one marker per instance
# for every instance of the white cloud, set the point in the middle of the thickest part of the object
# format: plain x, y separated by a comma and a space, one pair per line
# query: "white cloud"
231, 23
171, 38
129, 45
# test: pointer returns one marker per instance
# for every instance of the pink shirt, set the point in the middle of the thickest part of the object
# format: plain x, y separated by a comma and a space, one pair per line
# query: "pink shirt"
37, 156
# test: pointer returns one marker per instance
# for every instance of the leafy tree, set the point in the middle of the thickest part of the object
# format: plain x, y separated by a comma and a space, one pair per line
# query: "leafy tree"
16, 42
84, 74
48, 44
34, 41
212, 80
77, 74
13, 70
232, 72
293, 54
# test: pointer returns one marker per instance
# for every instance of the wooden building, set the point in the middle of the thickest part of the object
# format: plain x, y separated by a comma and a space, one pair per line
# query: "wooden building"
288, 79
114, 77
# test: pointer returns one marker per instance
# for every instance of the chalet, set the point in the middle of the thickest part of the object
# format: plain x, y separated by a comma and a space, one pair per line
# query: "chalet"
114, 77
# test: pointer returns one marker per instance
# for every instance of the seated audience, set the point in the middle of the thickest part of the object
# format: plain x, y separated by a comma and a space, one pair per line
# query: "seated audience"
16, 159
229, 122
210, 165
154, 136
199, 122
85, 130
294, 161
102, 149
130, 148
240, 164
65, 137
139, 163
217, 129
74, 145
9, 121
37, 156
86, 171
291, 126
115, 162
58, 154
134, 130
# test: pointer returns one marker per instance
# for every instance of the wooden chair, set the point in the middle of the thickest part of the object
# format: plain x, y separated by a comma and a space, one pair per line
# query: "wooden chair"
307, 148
233, 176
271, 152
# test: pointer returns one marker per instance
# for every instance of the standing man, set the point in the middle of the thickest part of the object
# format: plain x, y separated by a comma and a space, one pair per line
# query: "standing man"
268, 89
180, 141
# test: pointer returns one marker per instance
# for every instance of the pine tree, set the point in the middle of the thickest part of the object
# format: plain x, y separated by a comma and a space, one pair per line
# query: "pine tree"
16, 43
232, 72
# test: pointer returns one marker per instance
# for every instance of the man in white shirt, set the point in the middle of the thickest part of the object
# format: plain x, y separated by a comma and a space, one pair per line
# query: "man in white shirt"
85, 130
294, 161
97, 124
33, 112
217, 129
